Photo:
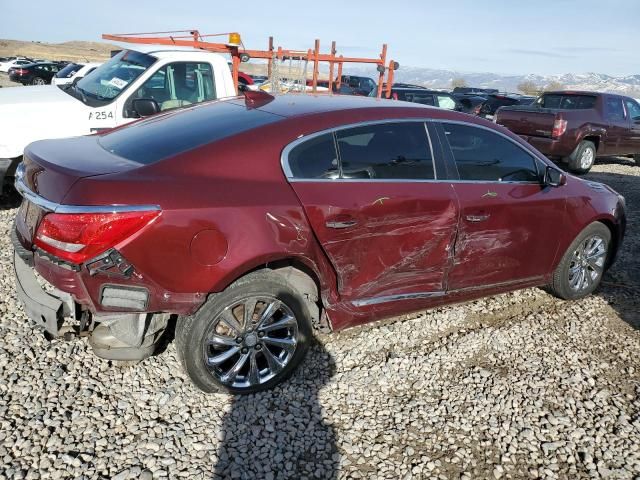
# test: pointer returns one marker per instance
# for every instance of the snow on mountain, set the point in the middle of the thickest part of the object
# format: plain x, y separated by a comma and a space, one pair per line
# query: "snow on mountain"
629, 85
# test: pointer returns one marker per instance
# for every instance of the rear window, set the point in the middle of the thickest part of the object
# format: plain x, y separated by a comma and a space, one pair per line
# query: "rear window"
567, 102
164, 136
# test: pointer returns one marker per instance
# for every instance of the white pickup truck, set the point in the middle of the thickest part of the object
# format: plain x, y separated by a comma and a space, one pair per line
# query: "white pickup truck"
133, 83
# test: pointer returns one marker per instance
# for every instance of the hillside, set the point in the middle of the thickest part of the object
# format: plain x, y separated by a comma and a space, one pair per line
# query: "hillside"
71, 51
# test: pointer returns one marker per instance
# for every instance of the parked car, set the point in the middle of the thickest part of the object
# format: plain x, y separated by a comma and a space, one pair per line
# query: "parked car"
73, 72
435, 98
493, 102
355, 85
257, 220
474, 91
576, 127
18, 62
150, 77
34, 73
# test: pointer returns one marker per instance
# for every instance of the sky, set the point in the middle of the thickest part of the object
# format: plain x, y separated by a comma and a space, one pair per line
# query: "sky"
517, 37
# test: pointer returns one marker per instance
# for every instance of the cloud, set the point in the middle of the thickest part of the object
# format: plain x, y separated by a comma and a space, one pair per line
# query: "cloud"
539, 53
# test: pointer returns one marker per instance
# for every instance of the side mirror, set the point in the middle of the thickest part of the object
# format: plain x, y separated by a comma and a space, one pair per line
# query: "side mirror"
554, 177
145, 107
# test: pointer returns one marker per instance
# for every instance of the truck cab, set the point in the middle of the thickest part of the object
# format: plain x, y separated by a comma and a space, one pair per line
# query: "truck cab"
171, 77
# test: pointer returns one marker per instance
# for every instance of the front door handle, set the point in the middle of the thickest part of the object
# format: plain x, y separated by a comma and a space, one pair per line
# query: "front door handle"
477, 218
342, 224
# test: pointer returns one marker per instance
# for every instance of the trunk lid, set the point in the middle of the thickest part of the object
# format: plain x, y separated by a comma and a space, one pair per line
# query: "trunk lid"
49, 170
527, 120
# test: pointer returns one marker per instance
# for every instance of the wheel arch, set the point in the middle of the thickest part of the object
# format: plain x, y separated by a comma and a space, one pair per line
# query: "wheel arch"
594, 138
616, 236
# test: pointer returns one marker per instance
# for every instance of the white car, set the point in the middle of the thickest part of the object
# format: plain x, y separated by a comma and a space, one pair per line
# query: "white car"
134, 83
5, 66
73, 72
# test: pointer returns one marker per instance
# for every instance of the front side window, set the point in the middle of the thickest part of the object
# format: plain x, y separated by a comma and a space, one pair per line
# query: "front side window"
446, 102
482, 155
633, 108
386, 151
613, 109
179, 84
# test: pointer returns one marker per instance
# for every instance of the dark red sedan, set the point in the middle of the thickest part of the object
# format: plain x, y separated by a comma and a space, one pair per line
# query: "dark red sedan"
257, 221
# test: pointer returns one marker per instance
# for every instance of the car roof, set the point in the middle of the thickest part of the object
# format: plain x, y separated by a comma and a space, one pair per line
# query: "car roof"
294, 105
153, 49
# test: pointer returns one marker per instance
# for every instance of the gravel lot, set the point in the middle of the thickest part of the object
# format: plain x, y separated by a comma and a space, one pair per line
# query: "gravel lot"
515, 386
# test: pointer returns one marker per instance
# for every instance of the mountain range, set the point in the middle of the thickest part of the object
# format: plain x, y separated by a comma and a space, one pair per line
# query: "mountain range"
627, 85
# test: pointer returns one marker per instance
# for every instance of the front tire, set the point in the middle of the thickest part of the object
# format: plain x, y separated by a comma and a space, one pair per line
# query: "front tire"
582, 266
248, 338
583, 157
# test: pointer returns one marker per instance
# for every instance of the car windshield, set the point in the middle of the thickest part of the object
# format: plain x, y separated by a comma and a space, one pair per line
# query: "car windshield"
113, 77
567, 102
69, 70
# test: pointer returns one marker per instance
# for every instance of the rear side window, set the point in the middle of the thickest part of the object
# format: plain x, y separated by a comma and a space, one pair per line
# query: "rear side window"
613, 109
567, 102
164, 136
315, 158
386, 151
482, 155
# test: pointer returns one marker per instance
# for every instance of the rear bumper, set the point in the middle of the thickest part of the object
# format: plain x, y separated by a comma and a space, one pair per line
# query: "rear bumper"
46, 310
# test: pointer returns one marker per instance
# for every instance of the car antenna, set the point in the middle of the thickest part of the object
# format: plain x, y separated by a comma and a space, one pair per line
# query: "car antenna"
257, 98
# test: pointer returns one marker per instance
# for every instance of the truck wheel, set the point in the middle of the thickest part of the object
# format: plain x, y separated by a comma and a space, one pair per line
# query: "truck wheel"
248, 338
582, 266
582, 158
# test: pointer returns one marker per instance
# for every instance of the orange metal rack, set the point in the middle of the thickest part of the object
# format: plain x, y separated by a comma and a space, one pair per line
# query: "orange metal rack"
239, 54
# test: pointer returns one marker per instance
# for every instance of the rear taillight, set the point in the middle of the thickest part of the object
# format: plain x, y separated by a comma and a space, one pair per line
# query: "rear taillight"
477, 109
82, 236
20, 71
559, 127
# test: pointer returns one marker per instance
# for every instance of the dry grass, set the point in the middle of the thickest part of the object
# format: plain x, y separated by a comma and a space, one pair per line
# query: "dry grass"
71, 51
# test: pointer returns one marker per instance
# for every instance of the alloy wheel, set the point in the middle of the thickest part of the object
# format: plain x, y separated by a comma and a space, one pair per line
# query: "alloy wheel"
38, 81
587, 263
586, 159
251, 341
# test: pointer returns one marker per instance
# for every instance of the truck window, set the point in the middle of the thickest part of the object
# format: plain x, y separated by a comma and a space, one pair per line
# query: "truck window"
613, 110
113, 77
633, 108
179, 84
567, 102
446, 102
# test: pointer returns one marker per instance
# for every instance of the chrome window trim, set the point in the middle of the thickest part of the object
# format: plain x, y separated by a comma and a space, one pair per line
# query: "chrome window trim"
54, 207
284, 156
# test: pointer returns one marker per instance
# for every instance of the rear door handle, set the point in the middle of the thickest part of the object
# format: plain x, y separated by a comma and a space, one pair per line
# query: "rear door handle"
477, 218
342, 224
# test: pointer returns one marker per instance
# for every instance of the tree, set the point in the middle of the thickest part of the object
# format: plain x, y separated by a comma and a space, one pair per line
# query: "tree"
553, 86
458, 82
528, 88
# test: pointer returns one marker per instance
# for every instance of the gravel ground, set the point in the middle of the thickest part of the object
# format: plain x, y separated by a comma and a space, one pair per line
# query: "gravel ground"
520, 385
5, 82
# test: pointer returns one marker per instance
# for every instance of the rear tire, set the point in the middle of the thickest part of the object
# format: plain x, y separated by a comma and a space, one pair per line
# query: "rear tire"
244, 356
582, 158
580, 271
38, 81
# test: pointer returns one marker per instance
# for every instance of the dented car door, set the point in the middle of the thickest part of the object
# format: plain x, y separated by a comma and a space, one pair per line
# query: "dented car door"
371, 197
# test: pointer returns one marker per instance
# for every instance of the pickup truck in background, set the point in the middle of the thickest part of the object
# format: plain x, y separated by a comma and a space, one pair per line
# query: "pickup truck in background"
132, 84
576, 127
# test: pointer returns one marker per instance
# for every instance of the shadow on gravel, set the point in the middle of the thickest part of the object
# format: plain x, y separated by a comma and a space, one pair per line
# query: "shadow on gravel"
621, 284
280, 434
10, 199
